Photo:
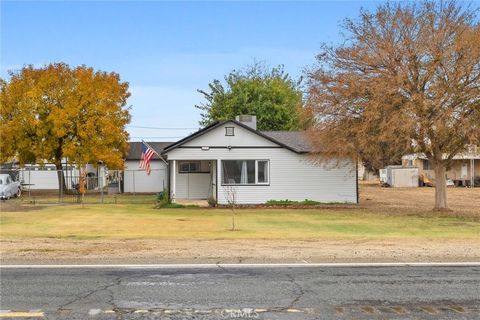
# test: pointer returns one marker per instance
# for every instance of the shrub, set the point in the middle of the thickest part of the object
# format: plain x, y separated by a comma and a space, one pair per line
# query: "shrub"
212, 202
163, 201
305, 202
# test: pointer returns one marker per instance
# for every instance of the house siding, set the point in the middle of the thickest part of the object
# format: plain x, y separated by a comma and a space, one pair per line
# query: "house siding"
242, 138
136, 180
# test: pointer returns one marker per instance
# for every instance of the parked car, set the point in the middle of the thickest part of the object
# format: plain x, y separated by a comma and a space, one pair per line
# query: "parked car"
450, 183
8, 187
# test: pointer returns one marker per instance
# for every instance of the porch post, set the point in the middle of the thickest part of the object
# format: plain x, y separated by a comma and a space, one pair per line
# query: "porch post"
218, 173
472, 172
174, 171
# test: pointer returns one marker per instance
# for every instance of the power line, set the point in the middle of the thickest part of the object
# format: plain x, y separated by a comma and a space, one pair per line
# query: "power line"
160, 128
147, 137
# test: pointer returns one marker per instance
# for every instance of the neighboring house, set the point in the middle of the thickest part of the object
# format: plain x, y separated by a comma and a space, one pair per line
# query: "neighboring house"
136, 180
133, 179
44, 176
464, 171
233, 157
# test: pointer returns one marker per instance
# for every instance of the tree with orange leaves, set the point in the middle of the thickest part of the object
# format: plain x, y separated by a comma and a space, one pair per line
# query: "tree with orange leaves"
57, 112
406, 79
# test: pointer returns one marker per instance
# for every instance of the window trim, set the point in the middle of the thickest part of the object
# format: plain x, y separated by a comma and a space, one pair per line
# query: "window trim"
256, 183
226, 131
267, 172
180, 171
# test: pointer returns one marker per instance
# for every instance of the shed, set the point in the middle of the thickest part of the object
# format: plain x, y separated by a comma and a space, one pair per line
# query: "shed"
402, 177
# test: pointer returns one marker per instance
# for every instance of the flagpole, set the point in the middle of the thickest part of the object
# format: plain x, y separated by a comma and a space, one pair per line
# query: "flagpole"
161, 158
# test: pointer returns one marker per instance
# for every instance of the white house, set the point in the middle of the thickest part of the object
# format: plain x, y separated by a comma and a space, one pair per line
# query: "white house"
232, 157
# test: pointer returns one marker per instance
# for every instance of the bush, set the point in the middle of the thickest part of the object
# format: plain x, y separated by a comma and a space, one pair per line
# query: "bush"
212, 202
163, 201
305, 202
171, 205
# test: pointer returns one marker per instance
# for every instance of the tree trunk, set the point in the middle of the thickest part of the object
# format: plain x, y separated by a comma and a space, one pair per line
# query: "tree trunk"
440, 187
61, 180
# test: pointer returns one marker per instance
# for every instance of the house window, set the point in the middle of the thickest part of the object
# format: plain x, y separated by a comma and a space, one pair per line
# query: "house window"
426, 165
189, 167
240, 172
262, 171
229, 131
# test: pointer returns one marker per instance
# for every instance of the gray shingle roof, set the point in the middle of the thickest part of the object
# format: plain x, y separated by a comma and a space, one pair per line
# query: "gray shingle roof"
135, 151
294, 139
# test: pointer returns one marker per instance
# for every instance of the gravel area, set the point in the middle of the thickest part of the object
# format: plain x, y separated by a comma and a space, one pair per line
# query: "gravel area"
52, 251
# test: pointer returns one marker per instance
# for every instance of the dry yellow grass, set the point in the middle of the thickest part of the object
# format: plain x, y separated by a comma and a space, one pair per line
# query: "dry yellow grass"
389, 225
463, 202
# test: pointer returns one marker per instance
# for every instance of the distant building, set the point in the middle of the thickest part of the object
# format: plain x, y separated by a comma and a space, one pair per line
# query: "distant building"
464, 171
136, 180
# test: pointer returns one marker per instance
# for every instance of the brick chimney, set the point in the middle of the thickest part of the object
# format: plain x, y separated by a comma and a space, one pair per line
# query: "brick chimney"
248, 120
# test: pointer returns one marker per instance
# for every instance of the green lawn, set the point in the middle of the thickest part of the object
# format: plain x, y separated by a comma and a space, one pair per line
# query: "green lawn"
136, 221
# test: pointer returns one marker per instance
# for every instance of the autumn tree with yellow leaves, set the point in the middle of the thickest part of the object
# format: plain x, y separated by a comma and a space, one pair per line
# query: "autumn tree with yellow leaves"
406, 79
57, 112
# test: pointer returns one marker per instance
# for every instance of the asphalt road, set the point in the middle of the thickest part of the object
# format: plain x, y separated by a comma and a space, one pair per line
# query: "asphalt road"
219, 292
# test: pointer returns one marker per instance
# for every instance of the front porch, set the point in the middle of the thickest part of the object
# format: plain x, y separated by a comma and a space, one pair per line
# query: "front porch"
192, 202
463, 172
193, 181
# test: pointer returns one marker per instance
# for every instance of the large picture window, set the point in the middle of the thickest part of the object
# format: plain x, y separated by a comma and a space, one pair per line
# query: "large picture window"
240, 172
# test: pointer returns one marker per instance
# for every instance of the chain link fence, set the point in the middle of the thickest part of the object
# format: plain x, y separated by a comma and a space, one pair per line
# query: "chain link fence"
46, 185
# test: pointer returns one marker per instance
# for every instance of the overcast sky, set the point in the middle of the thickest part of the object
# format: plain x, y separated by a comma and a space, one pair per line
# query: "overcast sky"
168, 50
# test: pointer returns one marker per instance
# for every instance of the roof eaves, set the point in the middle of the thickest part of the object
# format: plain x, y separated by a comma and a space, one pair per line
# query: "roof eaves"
265, 136
192, 136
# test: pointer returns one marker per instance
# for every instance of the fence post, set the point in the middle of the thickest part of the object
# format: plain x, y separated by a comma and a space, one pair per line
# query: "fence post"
61, 186
133, 182
101, 183
29, 182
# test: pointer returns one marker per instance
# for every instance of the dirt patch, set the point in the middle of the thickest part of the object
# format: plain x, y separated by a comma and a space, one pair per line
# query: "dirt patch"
463, 202
53, 251
17, 206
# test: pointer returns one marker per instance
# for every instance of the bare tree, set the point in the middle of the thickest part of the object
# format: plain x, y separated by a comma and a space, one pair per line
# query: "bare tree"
406, 79
231, 197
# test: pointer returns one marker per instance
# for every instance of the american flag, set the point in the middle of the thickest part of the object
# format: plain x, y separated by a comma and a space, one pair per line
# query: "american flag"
147, 155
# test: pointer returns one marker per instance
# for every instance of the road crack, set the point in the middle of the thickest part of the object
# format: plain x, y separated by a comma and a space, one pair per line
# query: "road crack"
110, 301
298, 289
